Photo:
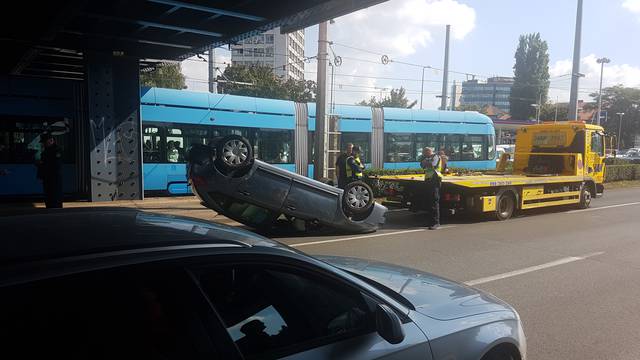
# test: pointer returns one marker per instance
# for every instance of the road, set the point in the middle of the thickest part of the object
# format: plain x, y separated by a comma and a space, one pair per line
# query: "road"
574, 276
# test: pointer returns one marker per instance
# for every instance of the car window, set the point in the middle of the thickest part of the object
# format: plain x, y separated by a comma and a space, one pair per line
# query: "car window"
275, 311
98, 316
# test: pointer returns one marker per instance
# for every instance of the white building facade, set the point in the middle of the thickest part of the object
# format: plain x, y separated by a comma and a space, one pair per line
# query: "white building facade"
284, 53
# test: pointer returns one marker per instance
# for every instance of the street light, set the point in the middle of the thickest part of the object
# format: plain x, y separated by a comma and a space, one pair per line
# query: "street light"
621, 114
601, 61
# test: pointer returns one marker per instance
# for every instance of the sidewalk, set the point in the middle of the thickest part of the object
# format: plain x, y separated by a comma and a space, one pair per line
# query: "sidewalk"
181, 206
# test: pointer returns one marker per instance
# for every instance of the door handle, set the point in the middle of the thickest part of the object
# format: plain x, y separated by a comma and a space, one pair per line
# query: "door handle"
291, 207
245, 192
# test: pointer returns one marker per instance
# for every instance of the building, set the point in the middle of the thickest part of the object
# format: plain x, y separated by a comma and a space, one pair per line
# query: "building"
282, 52
495, 91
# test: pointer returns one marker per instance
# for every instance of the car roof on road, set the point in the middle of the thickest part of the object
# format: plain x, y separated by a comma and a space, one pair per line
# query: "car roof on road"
72, 232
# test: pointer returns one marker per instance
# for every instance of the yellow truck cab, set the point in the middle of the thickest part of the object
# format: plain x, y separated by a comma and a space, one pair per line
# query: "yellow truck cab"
554, 164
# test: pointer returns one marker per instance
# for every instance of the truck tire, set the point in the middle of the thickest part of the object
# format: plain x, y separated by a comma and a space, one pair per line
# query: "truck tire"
585, 196
357, 198
234, 152
505, 205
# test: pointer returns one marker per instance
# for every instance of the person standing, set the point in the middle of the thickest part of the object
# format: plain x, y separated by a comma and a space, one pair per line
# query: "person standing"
341, 163
354, 166
50, 172
432, 165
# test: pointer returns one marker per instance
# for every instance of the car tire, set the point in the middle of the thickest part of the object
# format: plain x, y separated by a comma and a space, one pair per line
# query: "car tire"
234, 152
357, 198
500, 353
505, 205
585, 197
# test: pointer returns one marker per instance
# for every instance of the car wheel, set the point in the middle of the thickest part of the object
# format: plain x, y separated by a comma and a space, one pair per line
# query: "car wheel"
585, 197
505, 206
357, 198
234, 152
500, 353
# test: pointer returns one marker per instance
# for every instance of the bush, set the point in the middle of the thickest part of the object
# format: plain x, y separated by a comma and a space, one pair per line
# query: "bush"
620, 161
622, 172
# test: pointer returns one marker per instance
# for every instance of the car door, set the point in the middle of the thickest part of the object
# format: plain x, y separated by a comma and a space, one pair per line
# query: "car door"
274, 310
595, 157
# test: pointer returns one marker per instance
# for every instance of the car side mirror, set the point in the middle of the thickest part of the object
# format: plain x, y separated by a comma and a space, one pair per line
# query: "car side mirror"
388, 324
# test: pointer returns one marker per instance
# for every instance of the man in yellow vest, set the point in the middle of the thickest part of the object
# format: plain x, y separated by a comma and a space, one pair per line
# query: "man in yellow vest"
432, 165
354, 166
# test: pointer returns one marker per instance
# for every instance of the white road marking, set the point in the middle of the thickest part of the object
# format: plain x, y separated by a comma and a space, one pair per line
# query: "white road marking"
531, 269
604, 207
366, 236
396, 210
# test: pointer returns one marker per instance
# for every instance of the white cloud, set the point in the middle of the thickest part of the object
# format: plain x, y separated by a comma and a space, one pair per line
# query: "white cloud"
632, 5
614, 74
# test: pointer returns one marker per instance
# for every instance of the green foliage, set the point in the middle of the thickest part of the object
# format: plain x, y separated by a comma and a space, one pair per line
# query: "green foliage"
619, 99
164, 76
622, 172
263, 83
548, 112
397, 98
531, 72
620, 161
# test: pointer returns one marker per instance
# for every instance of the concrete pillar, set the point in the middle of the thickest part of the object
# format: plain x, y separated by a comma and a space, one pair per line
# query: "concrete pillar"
113, 113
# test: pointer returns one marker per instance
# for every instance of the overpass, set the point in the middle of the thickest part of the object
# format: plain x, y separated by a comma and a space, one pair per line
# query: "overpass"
77, 63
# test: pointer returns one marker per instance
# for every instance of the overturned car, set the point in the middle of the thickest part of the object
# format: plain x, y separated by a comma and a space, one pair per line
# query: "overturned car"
228, 180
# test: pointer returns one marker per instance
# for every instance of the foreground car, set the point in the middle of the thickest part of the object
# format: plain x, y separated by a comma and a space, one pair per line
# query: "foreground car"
229, 181
125, 284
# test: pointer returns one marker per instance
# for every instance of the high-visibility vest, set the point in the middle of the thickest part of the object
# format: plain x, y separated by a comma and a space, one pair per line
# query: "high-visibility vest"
349, 170
429, 171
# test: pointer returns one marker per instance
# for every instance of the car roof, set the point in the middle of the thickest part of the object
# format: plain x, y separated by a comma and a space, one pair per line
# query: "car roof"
74, 232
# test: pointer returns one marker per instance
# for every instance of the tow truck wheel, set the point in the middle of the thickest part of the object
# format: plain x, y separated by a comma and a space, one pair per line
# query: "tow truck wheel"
234, 152
505, 206
357, 198
585, 197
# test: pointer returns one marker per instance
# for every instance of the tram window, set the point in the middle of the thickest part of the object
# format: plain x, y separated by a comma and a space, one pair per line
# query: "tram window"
399, 148
20, 141
151, 144
473, 148
361, 139
275, 146
175, 145
491, 147
452, 146
311, 146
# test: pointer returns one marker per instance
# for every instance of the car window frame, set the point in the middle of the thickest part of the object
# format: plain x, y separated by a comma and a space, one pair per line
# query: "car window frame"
197, 266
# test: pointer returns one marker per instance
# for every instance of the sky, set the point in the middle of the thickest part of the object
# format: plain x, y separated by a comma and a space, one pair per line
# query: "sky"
484, 37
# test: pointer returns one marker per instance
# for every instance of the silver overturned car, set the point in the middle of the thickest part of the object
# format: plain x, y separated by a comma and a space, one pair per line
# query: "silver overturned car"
228, 180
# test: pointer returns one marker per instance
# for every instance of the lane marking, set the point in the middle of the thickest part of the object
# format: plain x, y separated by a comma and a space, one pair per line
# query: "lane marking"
366, 236
529, 269
396, 210
603, 207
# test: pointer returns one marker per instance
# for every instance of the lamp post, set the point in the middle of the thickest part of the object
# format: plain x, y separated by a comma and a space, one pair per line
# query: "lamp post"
537, 106
601, 61
621, 114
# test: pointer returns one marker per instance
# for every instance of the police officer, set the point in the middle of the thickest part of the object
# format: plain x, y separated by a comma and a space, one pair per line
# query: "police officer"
432, 165
354, 166
341, 163
50, 171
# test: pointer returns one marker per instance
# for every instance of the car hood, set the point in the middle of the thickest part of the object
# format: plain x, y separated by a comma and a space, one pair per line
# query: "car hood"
431, 295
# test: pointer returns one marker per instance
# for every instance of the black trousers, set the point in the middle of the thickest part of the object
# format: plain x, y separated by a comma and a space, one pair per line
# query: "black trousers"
53, 193
433, 200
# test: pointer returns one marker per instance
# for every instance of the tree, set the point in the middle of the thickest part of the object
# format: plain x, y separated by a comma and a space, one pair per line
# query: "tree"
397, 98
620, 99
548, 112
164, 76
531, 76
468, 107
260, 81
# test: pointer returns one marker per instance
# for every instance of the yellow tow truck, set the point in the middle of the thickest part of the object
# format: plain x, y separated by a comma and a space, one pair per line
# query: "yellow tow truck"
554, 164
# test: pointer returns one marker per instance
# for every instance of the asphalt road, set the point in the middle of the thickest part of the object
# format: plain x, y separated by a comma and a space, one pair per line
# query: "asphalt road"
574, 276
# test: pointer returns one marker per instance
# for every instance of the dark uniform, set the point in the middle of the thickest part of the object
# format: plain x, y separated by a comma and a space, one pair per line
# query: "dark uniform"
433, 177
341, 162
51, 174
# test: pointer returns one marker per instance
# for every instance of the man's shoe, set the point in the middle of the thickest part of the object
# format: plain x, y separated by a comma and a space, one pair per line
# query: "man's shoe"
434, 227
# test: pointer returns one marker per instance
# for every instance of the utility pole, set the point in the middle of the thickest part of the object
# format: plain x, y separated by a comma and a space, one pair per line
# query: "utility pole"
332, 105
575, 71
212, 69
453, 96
621, 114
445, 75
320, 163
556, 118
601, 61
422, 88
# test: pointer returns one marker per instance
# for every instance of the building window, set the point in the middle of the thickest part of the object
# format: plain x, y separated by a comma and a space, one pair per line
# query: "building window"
269, 38
258, 52
259, 39
268, 51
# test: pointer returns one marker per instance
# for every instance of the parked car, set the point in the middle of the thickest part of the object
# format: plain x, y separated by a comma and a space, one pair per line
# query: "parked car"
231, 182
630, 154
106, 283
